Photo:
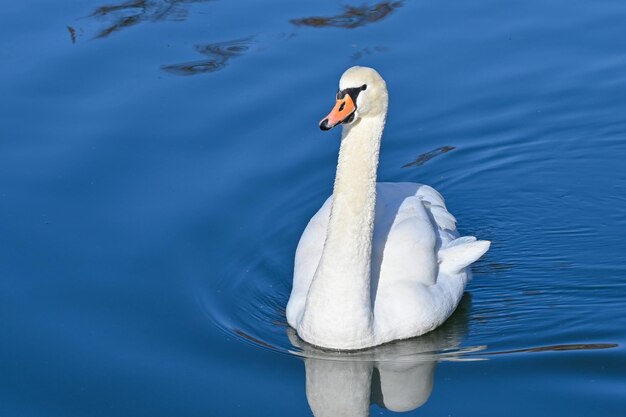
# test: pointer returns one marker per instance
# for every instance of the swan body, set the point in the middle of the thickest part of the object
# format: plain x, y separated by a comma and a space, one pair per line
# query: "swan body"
379, 261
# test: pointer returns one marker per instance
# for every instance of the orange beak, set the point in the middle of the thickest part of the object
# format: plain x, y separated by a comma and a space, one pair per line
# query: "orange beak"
344, 108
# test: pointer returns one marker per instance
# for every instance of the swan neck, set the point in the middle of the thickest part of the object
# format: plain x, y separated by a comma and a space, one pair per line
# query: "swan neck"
351, 225
338, 312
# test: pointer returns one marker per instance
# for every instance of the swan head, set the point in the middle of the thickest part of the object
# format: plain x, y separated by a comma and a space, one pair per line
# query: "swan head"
362, 94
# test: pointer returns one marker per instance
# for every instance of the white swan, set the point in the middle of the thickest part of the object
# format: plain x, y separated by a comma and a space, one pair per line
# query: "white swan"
377, 262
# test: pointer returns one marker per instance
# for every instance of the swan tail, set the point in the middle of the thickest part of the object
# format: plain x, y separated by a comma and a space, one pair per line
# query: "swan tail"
461, 253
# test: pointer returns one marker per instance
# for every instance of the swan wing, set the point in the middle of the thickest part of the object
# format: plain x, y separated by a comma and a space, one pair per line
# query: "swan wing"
412, 223
308, 255
422, 260
416, 237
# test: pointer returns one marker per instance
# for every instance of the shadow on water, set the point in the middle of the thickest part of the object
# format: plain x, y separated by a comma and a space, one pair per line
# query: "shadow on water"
218, 56
352, 16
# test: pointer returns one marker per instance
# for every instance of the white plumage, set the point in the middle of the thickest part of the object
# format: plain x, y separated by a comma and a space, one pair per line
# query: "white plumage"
379, 261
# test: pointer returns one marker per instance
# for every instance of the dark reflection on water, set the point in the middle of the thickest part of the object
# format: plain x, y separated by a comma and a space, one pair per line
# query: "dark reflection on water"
555, 348
219, 54
425, 157
368, 51
397, 376
253, 339
124, 15
72, 32
352, 16
482, 267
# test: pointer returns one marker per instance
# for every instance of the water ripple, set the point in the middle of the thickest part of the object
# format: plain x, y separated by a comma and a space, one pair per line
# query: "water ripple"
218, 57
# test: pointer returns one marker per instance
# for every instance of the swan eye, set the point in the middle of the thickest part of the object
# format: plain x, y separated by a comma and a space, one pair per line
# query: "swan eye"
364, 87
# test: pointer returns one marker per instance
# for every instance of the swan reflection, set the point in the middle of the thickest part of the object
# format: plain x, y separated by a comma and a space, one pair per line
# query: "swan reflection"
397, 376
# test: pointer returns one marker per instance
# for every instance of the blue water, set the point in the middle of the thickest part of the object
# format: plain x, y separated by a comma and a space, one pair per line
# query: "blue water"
159, 160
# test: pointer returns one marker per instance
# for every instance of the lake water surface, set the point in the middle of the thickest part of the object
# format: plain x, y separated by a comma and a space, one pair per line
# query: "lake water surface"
159, 160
